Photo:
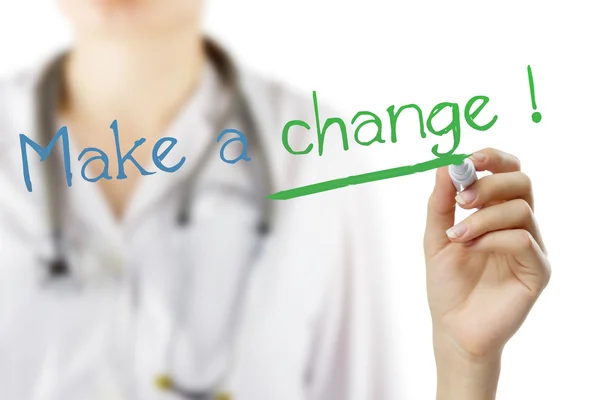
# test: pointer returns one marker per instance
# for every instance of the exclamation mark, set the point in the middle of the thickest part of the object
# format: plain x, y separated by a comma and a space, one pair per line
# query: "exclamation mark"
536, 116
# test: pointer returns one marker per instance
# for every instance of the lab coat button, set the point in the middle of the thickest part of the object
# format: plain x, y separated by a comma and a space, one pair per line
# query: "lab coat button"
115, 264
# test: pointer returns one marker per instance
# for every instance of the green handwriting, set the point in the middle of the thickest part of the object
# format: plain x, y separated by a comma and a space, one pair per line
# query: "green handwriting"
472, 109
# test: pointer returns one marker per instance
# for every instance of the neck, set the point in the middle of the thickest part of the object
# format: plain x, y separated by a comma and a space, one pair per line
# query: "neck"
141, 81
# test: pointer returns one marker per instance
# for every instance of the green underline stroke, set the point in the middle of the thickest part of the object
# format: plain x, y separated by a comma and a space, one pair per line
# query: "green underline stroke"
368, 177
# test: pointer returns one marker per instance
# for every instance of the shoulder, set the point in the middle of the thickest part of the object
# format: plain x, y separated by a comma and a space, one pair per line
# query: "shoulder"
16, 99
276, 103
17, 85
19, 80
275, 99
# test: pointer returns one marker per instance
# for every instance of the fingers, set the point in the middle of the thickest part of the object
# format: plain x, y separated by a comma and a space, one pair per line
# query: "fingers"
507, 184
495, 161
496, 188
513, 214
532, 269
440, 213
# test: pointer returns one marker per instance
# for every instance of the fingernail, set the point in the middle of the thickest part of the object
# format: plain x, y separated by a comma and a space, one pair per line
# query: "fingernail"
456, 231
466, 196
477, 157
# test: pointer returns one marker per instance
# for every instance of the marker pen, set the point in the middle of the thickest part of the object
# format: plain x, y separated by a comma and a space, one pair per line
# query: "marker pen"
463, 175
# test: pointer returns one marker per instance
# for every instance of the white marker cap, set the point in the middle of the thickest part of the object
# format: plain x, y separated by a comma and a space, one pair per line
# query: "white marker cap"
463, 175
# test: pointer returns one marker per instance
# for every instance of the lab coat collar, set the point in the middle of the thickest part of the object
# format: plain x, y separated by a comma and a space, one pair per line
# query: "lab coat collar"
193, 128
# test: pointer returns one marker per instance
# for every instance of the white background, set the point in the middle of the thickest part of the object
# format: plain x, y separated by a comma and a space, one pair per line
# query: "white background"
368, 55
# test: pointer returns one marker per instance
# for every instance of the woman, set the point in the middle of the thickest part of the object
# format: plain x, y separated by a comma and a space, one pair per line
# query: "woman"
131, 303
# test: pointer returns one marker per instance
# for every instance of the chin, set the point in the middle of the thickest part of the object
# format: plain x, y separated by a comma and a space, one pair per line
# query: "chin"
116, 18
133, 16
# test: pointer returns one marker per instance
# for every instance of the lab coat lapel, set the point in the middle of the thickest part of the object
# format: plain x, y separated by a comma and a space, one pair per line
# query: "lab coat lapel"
194, 131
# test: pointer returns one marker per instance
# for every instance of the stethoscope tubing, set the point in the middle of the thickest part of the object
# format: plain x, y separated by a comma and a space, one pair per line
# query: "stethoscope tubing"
47, 97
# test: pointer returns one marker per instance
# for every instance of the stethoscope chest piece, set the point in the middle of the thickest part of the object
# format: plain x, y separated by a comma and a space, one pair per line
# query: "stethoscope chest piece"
165, 383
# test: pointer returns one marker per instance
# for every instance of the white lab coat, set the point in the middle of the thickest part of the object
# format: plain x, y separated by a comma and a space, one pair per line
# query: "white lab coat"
311, 321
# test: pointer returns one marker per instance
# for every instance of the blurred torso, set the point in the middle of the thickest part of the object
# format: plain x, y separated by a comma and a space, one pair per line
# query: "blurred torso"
113, 332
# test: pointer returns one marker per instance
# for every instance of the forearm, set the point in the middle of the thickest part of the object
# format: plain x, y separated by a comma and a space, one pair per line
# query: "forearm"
464, 378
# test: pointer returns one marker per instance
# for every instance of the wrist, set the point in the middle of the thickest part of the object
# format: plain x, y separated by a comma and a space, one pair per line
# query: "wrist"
465, 376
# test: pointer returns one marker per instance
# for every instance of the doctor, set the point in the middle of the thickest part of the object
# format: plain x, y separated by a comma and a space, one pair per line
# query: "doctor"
185, 285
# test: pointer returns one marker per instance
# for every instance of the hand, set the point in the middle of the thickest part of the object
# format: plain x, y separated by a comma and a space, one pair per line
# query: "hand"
485, 273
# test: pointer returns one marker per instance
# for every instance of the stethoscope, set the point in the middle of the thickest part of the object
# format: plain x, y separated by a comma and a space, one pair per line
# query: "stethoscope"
48, 93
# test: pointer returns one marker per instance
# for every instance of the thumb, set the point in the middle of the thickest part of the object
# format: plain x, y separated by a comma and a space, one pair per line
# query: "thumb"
440, 213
